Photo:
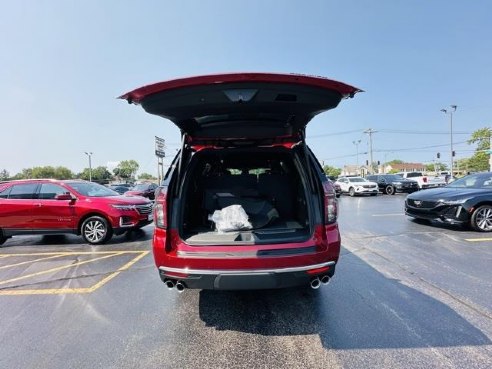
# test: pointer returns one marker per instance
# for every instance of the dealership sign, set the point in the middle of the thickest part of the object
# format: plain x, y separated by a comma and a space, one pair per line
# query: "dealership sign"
160, 146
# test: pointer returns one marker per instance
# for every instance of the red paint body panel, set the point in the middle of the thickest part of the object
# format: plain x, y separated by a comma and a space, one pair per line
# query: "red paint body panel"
167, 245
50, 215
138, 94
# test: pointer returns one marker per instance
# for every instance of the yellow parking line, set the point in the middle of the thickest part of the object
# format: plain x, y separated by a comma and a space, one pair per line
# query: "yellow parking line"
57, 269
73, 253
58, 291
30, 261
45, 291
478, 239
112, 275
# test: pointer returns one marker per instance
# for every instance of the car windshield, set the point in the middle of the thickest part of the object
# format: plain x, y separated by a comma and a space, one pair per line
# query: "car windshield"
140, 187
482, 180
92, 189
356, 179
392, 177
414, 174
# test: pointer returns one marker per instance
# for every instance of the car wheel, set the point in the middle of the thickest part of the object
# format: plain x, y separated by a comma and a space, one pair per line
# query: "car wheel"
338, 195
481, 219
96, 230
390, 190
352, 191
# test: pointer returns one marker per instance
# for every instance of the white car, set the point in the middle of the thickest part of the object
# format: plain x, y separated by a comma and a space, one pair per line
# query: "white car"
357, 186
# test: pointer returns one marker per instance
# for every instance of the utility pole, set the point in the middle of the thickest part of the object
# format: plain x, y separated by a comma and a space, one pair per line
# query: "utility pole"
89, 154
356, 143
370, 131
450, 112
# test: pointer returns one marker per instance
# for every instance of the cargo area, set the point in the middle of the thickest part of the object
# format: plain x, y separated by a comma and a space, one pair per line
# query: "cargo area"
267, 184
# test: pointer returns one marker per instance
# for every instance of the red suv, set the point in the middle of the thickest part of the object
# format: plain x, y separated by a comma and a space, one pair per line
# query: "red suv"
83, 208
245, 204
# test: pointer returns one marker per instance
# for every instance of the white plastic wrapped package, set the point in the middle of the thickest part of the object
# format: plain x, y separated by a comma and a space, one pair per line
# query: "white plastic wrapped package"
231, 218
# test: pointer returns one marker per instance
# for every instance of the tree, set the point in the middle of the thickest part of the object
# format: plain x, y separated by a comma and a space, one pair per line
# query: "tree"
26, 173
146, 176
395, 161
43, 172
63, 173
480, 160
332, 171
99, 174
436, 167
126, 169
4, 175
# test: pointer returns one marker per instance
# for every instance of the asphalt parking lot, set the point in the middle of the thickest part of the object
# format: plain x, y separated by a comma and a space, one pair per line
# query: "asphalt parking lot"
405, 295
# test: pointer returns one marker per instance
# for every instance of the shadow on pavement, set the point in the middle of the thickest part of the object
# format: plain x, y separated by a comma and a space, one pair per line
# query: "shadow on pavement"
70, 240
362, 309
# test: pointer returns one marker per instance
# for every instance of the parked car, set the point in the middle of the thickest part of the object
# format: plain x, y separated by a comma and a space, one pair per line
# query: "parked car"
392, 183
357, 186
423, 180
466, 201
243, 144
143, 189
338, 189
45, 206
119, 188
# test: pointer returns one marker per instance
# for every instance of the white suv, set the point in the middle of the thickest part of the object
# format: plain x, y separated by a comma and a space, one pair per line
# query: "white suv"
357, 186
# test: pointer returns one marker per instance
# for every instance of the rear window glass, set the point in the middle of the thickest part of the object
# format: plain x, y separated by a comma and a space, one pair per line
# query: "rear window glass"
412, 175
23, 191
4, 191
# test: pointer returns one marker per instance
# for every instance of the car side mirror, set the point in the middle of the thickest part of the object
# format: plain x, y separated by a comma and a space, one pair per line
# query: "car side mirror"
64, 196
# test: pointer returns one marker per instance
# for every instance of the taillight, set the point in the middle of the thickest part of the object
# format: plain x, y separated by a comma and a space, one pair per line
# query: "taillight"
160, 213
330, 204
424, 179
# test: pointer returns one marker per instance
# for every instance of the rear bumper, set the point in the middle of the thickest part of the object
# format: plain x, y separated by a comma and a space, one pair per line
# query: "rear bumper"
247, 279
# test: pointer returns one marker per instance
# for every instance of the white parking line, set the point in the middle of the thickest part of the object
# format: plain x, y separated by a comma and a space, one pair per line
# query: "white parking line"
478, 239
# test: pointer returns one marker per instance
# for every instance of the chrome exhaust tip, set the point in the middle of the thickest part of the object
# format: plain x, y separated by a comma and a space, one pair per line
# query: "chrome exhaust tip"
169, 283
325, 279
180, 287
315, 283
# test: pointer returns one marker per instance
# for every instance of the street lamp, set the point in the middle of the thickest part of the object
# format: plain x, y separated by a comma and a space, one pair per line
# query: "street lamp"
89, 154
356, 143
450, 112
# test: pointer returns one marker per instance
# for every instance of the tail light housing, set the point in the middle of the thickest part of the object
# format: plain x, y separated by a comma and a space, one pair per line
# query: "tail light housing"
160, 208
424, 179
330, 204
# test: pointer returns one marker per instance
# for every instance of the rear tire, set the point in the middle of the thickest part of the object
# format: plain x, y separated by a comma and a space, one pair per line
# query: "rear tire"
96, 230
481, 219
390, 190
352, 192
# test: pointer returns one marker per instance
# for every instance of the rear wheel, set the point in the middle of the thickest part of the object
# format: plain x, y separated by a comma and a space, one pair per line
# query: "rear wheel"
96, 230
481, 219
352, 191
390, 190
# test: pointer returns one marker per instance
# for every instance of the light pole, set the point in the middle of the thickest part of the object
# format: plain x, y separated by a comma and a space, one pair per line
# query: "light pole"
89, 154
356, 143
370, 131
450, 112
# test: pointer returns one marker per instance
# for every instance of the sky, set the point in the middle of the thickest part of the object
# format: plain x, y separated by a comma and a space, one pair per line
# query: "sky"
63, 63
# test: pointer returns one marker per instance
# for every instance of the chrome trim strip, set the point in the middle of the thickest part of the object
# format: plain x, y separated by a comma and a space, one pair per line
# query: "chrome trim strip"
245, 271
